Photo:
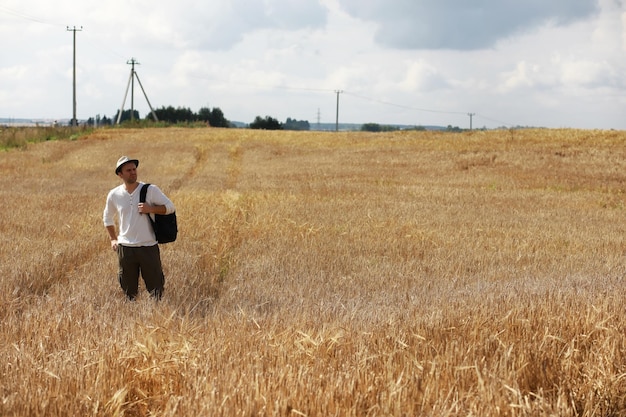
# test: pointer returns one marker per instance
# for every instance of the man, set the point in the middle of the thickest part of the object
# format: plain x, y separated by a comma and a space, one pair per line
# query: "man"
136, 244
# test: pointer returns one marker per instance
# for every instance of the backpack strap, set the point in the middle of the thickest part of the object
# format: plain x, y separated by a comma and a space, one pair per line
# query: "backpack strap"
143, 192
142, 199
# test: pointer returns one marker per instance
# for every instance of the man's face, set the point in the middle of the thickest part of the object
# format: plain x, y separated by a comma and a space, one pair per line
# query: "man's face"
128, 173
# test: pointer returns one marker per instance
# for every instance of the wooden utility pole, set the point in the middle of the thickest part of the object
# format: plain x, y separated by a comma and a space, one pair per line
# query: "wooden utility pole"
131, 83
471, 115
132, 63
337, 114
74, 121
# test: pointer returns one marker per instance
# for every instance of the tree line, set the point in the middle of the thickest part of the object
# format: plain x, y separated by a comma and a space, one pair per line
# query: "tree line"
169, 115
270, 123
211, 117
215, 117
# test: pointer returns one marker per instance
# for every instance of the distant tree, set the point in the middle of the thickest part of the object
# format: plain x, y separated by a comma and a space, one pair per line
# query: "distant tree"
97, 121
173, 115
204, 114
183, 115
267, 123
454, 129
126, 115
166, 114
375, 127
293, 124
217, 118
213, 117
371, 127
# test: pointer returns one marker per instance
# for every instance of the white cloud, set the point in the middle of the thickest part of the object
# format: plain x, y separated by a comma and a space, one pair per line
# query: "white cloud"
591, 74
400, 61
623, 31
522, 77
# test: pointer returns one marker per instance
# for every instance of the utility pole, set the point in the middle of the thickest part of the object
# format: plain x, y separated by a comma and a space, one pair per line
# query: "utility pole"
318, 118
471, 115
132, 63
337, 115
131, 83
74, 29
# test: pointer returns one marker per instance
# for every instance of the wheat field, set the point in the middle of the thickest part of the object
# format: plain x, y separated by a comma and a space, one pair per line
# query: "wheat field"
322, 274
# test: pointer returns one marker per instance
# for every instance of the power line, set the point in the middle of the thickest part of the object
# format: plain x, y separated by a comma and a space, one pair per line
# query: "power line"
506, 124
403, 106
25, 16
428, 110
322, 90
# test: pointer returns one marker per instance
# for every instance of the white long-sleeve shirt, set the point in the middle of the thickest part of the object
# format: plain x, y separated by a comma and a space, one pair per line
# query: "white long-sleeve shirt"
135, 228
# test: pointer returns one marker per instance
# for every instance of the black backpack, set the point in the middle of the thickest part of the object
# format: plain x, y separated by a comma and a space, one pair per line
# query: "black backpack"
164, 225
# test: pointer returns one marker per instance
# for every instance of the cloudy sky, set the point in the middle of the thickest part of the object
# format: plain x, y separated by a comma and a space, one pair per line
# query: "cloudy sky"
549, 63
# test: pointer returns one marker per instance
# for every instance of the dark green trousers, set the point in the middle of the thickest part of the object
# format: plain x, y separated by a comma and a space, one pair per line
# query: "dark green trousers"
145, 260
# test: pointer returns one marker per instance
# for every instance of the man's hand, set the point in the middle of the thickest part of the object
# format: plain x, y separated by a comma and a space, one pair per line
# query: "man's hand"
144, 208
112, 237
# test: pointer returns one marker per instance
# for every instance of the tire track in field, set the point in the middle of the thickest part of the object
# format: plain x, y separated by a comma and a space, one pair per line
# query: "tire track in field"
232, 225
216, 258
235, 154
200, 158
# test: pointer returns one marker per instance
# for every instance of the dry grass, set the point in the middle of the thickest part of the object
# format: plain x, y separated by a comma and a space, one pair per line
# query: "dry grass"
19, 137
322, 274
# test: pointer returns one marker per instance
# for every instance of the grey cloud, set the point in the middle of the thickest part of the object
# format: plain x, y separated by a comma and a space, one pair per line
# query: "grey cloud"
236, 18
462, 25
